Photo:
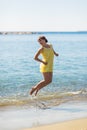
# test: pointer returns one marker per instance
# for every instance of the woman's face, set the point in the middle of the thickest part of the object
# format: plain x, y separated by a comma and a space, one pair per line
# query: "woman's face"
41, 41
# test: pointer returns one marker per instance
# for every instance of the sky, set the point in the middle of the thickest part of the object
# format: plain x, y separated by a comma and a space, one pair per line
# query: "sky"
43, 15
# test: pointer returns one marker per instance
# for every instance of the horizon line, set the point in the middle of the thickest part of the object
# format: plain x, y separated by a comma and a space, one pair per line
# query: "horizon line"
45, 31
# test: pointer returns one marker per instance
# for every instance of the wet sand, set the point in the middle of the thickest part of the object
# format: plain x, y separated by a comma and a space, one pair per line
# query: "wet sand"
79, 124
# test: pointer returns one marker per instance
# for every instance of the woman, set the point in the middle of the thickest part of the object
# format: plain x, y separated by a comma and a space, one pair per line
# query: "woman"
46, 67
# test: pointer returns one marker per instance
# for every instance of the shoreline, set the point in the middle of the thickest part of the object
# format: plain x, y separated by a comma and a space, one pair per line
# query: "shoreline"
26, 118
40, 32
75, 124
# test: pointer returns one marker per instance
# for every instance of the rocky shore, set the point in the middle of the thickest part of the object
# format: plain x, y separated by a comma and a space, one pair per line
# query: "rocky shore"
18, 33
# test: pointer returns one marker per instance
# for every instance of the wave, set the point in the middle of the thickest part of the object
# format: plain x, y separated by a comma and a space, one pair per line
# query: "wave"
45, 99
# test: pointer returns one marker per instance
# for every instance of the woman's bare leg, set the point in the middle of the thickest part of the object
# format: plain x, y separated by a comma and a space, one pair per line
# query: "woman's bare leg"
47, 80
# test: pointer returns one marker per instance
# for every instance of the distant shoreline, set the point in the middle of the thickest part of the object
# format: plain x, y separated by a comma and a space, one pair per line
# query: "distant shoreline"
27, 32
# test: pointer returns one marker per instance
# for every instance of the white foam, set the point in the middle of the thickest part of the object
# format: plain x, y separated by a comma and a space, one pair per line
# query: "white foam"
16, 118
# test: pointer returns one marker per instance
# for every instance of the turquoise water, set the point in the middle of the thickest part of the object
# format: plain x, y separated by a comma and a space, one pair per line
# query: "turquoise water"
19, 72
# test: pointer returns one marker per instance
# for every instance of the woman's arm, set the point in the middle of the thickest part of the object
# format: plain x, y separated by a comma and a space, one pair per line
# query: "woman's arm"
56, 54
37, 55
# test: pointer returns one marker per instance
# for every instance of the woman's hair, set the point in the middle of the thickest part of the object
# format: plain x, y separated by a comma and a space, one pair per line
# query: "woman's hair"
43, 37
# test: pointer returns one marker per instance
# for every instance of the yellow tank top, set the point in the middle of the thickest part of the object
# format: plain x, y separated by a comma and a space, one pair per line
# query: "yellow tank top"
48, 56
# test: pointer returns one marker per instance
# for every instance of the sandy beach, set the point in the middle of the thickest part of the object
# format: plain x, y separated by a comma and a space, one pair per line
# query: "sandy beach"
79, 124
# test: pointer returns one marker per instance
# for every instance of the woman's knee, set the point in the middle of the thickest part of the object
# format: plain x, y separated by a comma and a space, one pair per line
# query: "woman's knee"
48, 81
47, 77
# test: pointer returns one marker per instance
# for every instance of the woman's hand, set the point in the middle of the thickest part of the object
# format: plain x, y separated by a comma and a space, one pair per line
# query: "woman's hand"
56, 54
45, 63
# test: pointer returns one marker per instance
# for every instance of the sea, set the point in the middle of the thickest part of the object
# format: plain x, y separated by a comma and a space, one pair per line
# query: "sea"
64, 99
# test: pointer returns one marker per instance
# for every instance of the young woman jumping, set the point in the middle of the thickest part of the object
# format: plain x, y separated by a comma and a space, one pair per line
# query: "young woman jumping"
46, 66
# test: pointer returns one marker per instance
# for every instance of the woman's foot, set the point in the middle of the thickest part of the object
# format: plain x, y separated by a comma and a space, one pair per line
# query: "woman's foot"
32, 90
36, 92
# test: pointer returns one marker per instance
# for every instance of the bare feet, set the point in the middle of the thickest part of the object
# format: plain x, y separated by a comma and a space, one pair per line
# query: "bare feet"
32, 90
36, 92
